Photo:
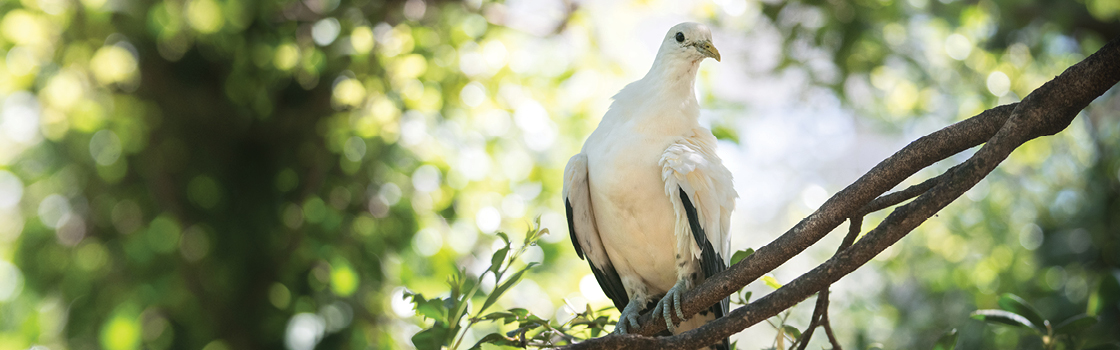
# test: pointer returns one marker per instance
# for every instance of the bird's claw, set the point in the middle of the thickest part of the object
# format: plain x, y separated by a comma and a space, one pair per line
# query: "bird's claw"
671, 302
628, 319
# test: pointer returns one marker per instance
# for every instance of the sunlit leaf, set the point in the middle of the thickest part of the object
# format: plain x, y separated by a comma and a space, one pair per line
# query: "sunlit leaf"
1002, 317
1017, 305
740, 255
725, 133
497, 259
792, 331
433, 309
771, 281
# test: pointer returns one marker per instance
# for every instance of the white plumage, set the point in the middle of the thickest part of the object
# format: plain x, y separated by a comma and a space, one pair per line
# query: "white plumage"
648, 201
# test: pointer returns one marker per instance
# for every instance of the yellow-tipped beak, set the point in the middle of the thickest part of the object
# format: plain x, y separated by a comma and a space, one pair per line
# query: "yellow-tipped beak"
708, 49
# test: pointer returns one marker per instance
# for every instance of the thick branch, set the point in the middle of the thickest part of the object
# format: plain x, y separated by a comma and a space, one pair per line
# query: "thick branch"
1046, 111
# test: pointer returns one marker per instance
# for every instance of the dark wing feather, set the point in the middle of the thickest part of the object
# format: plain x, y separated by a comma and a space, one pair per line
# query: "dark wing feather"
607, 276
710, 261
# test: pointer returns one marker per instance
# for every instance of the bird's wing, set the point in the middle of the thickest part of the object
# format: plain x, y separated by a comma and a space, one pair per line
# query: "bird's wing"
703, 196
585, 233
694, 174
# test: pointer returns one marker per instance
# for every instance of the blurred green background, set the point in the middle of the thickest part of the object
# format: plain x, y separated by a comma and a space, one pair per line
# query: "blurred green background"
221, 174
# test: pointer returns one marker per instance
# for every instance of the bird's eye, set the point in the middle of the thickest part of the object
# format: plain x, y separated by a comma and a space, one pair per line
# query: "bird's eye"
680, 37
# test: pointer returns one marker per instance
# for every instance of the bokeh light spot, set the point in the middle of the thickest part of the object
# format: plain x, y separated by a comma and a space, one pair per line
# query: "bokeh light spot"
163, 234
427, 242
105, 147
344, 281
348, 93
1031, 237
122, 331
19, 119
314, 210
305, 330
195, 244
998, 83
91, 256
426, 178
23, 28
354, 149
53, 209
473, 94
279, 296
114, 64
205, 16
287, 56
11, 189
126, 216
325, 31
11, 281
204, 191
488, 219
958, 47
361, 39
591, 290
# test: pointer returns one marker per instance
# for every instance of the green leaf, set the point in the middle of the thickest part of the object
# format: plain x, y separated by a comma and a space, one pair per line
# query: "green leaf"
519, 312
1106, 346
740, 255
1002, 317
1015, 304
948, 341
501, 289
500, 315
431, 338
771, 281
504, 236
792, 331
1075, 324
496, 339
722, 132
497, 259
433, 309
747, 297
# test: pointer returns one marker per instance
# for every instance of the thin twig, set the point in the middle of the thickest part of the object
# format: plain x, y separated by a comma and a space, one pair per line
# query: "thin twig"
894, 198
831, 337
820, 311
803, 341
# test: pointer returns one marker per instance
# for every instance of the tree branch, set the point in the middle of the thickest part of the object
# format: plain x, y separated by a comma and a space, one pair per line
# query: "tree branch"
1046, 111
820, 311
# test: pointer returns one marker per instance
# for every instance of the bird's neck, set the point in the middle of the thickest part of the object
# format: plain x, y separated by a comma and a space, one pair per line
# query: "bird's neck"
673, 79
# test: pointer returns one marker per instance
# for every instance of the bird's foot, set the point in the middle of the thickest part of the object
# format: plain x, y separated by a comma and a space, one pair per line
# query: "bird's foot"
629, 318
672, 302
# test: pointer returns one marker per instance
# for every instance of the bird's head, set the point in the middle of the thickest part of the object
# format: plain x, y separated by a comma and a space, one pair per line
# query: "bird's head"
690, 41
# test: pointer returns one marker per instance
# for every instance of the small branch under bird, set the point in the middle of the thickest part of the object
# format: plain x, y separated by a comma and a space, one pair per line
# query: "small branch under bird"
648, 201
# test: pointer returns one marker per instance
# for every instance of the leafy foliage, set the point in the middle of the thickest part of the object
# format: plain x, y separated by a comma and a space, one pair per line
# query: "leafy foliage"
449, 314
1018, 313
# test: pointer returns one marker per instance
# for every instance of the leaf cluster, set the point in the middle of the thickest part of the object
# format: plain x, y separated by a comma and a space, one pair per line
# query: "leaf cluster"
1017, 313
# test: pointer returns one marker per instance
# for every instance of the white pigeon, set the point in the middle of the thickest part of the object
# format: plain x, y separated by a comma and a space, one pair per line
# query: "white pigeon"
648, 201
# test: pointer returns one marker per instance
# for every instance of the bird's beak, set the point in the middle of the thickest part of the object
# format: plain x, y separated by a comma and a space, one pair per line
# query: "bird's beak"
707, 49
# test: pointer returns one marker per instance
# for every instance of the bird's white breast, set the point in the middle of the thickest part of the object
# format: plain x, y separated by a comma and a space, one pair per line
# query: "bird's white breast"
635, 218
